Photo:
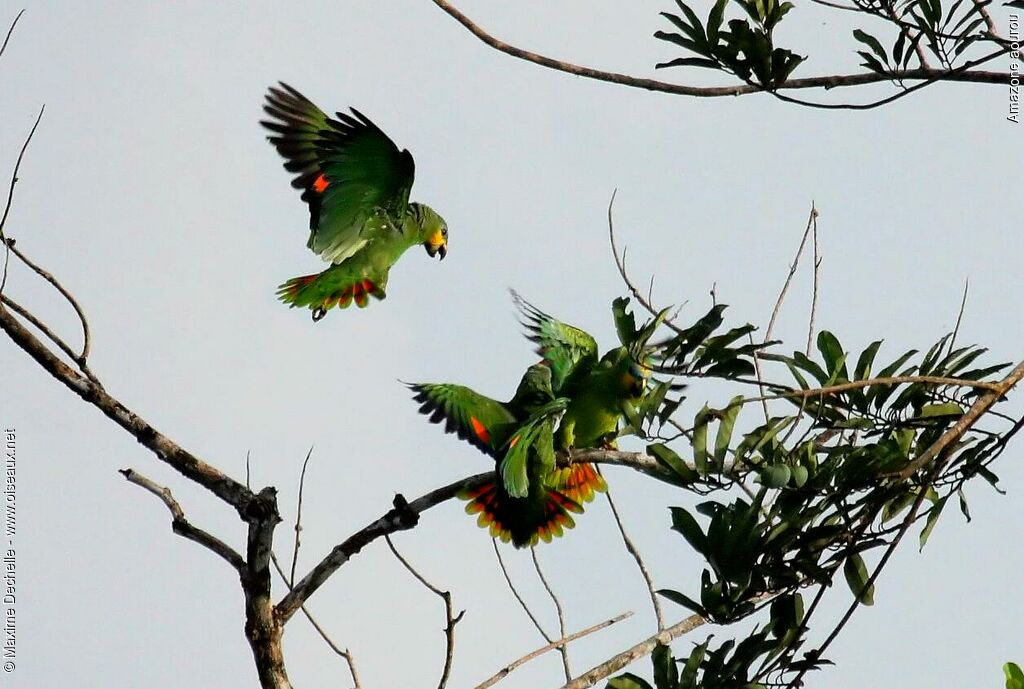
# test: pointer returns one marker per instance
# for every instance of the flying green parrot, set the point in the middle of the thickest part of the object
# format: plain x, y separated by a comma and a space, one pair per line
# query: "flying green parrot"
357, 185
547, 495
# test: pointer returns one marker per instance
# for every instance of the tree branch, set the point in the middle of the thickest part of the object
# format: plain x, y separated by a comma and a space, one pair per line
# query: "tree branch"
404, 515
451, 619
504, 672
823, 82
166, 450
632, 550
344, 653
562, 650
977, 410
180, 524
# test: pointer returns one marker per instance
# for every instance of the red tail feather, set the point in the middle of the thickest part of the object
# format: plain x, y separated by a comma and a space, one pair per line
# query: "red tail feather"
523, 521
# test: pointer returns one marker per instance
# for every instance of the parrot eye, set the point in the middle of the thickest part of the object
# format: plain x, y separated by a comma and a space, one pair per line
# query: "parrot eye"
444, 232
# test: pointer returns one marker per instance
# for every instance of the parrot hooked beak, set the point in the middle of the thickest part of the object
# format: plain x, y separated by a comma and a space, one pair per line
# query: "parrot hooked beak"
437, 244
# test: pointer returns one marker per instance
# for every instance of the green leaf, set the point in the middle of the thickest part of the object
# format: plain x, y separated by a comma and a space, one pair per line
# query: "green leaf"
864, 361
700, 440
666, 456
689, 62
872, 42
684, 523
933, 519
725, 427
715, 20
943, 409
807, 365
628, 681
1014, 675
963, 505
625, 323
856, 573
684, 601
666, 676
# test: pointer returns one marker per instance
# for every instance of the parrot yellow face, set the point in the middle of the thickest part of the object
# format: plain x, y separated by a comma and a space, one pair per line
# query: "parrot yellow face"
634, 380
437, 243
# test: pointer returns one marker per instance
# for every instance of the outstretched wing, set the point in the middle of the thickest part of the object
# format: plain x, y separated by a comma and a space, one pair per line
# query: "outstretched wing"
477, 419
563, 347
347, 169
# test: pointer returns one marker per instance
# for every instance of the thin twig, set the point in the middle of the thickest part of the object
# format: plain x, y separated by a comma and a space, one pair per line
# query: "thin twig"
644, 572
620, 264
959, 315
451, 619
778, 305
562, 650
38, 324
298, 518
181, 525
792, 271
814, 280
515, 592
505, 671
8, 244
343, 652
10, 31
81, 359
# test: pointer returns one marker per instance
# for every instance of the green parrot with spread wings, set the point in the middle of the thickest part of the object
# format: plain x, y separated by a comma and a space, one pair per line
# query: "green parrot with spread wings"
356, 183
570, 400
542, 509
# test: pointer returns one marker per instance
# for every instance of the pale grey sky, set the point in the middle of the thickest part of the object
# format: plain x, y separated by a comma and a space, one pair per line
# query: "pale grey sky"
150, 190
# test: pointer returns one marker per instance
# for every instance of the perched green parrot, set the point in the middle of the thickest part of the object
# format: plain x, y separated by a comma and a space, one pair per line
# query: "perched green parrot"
598, 390
541, 509
357, 185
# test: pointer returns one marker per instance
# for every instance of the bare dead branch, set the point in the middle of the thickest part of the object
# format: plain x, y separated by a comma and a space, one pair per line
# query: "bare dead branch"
181, 525
822, 82
632, 550
38, 325
451, 619
81, 359
644, 648
515, 592
165, 449
344, 653
298, 518
404, 515
562, 650
505, 671
8, 244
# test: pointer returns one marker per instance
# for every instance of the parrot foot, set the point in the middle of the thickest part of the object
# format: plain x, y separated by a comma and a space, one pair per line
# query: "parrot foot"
318, 313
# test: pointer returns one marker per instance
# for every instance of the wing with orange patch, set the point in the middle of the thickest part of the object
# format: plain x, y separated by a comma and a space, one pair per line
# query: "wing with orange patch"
477, 419
346, 167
